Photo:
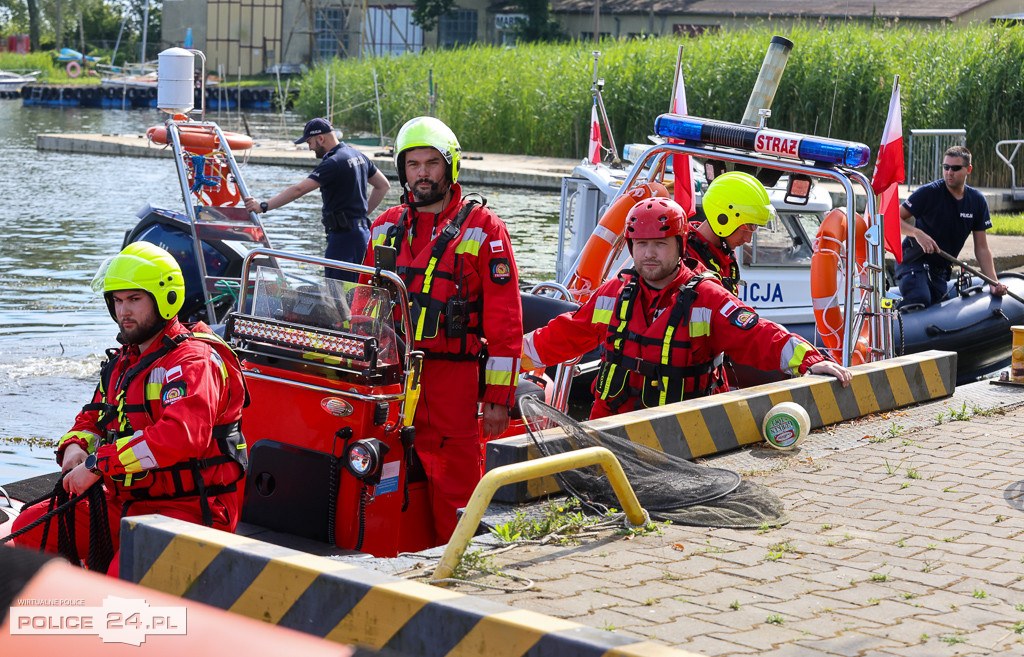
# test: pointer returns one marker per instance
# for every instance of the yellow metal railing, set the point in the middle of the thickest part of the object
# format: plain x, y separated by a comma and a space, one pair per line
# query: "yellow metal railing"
510, 474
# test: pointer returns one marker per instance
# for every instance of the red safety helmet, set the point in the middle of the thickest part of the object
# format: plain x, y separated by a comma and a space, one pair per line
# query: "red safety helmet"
654, 218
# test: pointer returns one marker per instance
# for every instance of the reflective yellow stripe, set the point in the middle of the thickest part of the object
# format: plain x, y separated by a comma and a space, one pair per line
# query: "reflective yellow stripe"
127, 457
497, 378
428, 275
698, 329
602, 317
89, 438
472, 247
153, 391
793, 354
665, 350
499, 370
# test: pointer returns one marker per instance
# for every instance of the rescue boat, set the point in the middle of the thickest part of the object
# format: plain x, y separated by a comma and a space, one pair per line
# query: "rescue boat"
776, 267
972, 322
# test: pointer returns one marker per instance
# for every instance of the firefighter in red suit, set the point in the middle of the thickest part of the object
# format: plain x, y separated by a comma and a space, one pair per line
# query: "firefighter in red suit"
163, 430
455, 257
665, 328
735, 205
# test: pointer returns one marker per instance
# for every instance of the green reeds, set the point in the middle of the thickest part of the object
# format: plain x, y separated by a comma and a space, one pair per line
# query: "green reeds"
535, 99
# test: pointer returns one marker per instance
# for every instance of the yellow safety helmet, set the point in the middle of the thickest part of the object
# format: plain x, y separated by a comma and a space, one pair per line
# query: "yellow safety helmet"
143, 266
735, 199
427, 131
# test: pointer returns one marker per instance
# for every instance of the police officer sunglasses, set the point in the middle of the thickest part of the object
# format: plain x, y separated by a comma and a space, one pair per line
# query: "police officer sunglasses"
953, 167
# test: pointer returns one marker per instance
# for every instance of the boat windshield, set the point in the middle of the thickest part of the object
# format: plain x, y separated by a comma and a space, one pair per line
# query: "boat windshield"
333, 309
785, 241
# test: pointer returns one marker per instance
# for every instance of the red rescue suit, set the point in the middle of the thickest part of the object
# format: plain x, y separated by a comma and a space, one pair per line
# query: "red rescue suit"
464, 291
716, 257
165, 427
665, 345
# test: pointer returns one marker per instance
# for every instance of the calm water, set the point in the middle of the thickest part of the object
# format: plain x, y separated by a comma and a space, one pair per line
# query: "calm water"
62, 214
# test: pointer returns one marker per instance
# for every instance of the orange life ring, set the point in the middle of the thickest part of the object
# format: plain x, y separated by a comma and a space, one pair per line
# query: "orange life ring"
596, 253
74, 69
200, 140
829, 247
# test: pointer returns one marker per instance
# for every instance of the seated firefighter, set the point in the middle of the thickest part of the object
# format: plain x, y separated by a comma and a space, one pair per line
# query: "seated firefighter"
665, 328
735, 205
162, 433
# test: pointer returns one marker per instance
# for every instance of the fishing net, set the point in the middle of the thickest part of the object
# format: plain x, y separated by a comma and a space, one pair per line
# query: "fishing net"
668, 487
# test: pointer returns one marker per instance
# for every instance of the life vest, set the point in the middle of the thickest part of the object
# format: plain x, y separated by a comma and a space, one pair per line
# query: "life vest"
130, 412
446, 315
660, 353
722, 264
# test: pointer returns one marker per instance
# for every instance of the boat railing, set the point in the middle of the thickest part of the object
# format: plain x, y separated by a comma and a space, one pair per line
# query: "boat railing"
1016, 192
564, 372
248, 223
862, 301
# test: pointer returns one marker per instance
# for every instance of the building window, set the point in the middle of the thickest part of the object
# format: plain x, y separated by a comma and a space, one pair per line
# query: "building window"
391, 32
457, 28
329, 26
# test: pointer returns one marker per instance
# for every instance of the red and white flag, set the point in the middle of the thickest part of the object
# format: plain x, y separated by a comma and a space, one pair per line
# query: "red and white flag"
889, 173
594, 152
682, 190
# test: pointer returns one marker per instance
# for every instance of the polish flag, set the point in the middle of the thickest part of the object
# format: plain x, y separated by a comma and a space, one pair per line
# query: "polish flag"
682, 191
889, 173
594, 152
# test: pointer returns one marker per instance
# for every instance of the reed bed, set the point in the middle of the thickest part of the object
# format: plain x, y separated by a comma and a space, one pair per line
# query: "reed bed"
535, 99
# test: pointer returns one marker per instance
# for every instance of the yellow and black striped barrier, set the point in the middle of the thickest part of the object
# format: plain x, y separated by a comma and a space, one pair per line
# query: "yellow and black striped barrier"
347, 604
716, 424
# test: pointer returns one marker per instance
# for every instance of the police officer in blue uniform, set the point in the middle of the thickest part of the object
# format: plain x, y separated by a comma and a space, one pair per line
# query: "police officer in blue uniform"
940, 215
342, 177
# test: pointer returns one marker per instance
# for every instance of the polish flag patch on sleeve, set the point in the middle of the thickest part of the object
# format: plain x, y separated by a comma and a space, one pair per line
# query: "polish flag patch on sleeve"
728, 308
497, 246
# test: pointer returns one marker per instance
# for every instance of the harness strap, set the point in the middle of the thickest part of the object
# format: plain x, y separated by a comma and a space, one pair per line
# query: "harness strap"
650, 370
730, 281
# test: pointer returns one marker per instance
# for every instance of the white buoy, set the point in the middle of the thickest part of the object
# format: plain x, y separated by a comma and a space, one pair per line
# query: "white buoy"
175, 91
786, 425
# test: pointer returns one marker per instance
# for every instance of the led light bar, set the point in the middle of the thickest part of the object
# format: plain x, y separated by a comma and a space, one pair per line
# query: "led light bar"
761, 140
304, 338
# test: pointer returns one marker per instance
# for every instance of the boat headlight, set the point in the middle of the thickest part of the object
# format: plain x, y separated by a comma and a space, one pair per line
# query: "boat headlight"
365, 458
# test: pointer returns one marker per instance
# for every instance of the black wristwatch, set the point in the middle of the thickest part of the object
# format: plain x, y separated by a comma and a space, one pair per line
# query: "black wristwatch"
91, 463
264, 206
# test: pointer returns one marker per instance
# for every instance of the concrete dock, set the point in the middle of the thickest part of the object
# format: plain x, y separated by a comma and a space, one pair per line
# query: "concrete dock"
477, 169
905, 540
497, 169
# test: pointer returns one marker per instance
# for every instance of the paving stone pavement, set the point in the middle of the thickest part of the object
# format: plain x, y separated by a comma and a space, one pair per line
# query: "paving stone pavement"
909, 543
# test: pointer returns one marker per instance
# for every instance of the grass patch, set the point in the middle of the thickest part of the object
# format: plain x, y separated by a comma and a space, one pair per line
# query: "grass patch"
564, 518
1007, 224
778, 550
775, 619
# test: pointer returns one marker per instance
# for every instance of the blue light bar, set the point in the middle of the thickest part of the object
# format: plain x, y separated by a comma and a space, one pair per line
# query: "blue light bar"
761, 140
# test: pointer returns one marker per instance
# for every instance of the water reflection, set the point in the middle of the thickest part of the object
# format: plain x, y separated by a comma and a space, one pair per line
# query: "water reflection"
62, 214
